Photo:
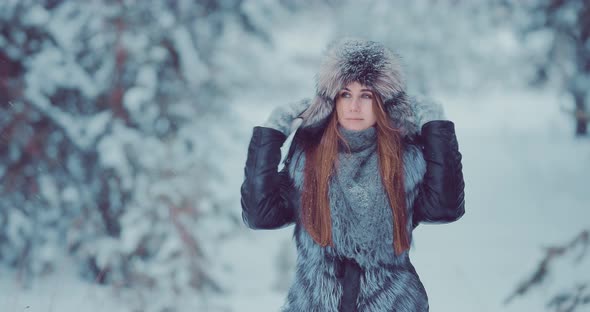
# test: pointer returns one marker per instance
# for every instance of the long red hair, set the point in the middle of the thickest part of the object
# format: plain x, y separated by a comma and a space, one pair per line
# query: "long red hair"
320, 161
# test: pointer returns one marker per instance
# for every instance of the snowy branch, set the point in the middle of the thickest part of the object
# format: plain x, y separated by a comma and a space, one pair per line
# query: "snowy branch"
574, 296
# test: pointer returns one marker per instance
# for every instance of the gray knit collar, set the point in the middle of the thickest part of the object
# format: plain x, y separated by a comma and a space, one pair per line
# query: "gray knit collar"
358, 140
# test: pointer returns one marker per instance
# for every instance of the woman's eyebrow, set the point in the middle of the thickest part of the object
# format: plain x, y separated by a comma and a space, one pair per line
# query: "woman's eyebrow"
362, 90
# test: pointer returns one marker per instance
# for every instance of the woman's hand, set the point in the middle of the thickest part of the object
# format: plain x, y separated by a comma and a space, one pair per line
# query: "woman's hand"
286, 118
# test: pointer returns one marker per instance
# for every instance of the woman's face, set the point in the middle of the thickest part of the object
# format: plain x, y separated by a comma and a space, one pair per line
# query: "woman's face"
354, 107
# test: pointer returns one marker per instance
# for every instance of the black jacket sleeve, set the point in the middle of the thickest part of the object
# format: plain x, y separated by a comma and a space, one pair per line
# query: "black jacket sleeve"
265, 192
441, 195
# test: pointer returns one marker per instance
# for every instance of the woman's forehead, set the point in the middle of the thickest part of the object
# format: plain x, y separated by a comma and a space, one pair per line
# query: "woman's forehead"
356, 85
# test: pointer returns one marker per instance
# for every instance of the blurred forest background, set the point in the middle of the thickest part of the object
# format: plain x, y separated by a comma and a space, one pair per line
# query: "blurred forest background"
124, 126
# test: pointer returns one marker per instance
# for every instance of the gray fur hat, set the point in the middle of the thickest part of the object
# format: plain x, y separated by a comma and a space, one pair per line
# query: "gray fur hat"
371, 64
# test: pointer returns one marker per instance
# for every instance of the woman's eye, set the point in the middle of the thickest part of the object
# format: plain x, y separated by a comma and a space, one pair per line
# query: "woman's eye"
367, 96
345, 94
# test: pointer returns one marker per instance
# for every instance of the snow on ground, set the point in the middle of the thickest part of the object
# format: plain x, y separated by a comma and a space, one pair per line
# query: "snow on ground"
62, 291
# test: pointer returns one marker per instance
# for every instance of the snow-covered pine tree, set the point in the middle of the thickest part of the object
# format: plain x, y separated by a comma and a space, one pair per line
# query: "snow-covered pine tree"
113, 131
558, 31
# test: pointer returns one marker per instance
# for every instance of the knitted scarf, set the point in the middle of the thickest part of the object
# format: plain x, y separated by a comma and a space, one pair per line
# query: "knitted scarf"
359, 206
362, 221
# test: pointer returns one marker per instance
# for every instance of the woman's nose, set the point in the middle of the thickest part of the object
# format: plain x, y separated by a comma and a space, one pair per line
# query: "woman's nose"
355, 106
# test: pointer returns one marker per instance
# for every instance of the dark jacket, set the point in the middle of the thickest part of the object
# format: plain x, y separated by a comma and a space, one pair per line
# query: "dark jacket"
269, 199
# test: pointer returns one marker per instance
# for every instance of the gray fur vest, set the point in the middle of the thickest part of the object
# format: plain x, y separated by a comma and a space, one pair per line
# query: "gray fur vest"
388, 282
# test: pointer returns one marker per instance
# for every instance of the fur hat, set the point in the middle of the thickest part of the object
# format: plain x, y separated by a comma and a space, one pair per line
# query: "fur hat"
371, 64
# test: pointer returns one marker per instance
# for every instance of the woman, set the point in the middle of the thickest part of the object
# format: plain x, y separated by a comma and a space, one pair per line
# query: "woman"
366, 166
